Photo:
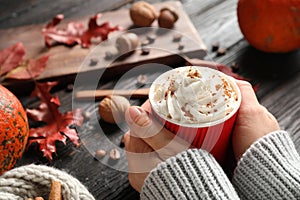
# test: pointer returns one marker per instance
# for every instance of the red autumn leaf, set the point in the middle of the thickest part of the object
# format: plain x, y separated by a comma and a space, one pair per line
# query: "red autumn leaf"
57, 124
69, 36
228, 70
11, 57
75, 32
30, 69
13, 65
96, 31
223, 68
55, 21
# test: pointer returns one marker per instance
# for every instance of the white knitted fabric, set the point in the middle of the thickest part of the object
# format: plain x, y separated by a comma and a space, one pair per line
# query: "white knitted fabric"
31, 181
269, 169
192, 174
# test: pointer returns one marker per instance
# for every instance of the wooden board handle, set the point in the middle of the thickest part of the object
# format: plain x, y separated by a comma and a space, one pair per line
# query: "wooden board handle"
99, 94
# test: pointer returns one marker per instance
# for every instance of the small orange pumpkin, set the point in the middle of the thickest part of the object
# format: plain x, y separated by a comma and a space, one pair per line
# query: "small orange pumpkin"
270, 25
14, 129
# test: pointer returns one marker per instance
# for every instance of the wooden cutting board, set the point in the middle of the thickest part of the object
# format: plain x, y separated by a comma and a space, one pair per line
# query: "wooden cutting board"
65, 61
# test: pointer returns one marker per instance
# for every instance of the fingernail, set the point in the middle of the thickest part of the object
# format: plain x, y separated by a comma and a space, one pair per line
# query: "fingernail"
134, 112
139, 116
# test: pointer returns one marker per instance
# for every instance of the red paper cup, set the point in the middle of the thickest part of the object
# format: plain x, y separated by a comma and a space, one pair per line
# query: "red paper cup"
212, 136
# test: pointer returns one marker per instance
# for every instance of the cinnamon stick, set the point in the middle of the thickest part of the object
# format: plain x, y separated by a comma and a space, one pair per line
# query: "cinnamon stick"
99, 94
55, 193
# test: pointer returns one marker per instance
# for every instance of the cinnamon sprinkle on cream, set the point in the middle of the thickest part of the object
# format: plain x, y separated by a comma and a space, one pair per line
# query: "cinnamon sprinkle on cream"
218, 87
194, 73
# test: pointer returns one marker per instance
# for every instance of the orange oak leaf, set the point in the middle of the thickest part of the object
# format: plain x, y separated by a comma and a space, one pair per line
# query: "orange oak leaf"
57, 125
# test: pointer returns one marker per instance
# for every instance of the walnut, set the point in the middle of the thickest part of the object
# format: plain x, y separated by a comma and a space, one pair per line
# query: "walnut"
112, 109
142, 13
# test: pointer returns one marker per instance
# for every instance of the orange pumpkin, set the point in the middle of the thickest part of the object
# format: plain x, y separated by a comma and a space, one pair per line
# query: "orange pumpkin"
14, 129
270, 25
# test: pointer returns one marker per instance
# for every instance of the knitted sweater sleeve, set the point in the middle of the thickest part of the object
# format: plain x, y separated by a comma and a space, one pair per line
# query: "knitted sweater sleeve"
269, 169
192, 174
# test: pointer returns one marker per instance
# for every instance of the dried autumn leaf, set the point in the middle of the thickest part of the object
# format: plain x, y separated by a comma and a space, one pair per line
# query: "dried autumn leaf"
11, 57
57, 126
69, 36
75, 32
30, 69
13, 65
223, 68
97, 31
213, 65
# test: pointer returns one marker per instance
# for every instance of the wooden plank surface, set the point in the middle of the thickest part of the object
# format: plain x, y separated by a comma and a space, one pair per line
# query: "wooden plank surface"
284, 103
278, 76
64, 61
216, 24
15, 13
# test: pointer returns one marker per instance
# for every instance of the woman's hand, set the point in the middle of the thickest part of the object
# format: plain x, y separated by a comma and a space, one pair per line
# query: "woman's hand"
147, 144
253, 121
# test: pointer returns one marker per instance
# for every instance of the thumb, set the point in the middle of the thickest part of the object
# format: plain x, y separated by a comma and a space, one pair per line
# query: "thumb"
247, 92
153, 133
140, 123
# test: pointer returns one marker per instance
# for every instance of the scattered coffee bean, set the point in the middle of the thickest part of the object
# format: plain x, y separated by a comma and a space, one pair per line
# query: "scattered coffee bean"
145, 42
69, 87
122, 144
145, 51
108, 55
100, 153
215, 46
235, 67
114, 154
93, 62
180, 46
221, 51
151, 38
141, 80
177, 37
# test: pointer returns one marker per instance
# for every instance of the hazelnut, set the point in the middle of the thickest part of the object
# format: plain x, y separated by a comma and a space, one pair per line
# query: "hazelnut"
142, 13
100, 153
112, 109
127, 42
167, 17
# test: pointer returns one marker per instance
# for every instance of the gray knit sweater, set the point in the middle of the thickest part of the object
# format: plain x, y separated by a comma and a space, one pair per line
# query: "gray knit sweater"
269, 169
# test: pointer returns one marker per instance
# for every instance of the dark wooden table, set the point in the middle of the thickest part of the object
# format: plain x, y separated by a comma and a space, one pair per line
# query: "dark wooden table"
278, 76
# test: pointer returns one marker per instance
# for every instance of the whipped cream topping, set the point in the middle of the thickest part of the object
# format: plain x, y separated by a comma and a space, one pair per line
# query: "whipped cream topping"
194, 95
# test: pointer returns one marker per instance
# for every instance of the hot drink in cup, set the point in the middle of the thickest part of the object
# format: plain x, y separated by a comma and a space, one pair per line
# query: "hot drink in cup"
199, 104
